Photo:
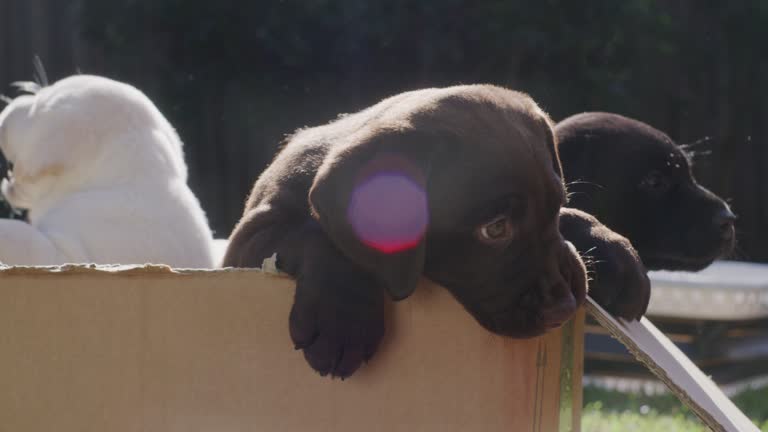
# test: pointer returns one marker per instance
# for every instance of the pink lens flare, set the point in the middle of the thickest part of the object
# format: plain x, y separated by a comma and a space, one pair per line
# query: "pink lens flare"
388, 211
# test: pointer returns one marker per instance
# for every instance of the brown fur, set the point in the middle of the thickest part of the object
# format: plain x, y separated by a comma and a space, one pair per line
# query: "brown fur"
477, 152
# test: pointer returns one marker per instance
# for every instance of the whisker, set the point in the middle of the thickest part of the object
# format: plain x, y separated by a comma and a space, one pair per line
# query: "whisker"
27, 86
699, 141
583, 182
40, 76
691, 154
6, 99
698, 154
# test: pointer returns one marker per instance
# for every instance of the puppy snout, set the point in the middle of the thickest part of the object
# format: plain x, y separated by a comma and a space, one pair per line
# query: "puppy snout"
724, 222
562, 308
563, 288
575, 271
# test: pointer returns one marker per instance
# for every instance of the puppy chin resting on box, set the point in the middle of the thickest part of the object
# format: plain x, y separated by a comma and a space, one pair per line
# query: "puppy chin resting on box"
102, 174
462, 185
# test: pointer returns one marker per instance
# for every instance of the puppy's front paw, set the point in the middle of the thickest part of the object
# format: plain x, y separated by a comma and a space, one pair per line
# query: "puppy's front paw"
337, 325
618, 279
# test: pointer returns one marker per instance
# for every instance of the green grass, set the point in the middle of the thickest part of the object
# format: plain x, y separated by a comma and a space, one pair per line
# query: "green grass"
609, 411
596, 420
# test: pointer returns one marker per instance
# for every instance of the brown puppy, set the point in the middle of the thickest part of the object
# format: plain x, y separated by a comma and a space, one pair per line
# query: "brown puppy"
461, 184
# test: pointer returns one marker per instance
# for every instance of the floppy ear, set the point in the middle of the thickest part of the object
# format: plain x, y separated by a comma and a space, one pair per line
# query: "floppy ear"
370, 197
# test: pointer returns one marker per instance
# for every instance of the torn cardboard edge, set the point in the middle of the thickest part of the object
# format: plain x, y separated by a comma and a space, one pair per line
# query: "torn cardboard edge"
269, 266
683, 378
641, 338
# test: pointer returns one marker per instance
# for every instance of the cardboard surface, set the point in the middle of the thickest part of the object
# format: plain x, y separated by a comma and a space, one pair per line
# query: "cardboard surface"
679, 374
148, 349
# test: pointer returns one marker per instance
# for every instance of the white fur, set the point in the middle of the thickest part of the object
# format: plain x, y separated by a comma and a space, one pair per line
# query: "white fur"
102, 174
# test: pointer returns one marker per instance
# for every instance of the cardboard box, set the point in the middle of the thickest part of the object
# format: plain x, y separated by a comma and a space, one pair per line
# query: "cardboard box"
148, 349
151, 349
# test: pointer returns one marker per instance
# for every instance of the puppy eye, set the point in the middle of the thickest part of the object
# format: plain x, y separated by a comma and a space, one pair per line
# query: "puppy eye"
655, 182
499, 229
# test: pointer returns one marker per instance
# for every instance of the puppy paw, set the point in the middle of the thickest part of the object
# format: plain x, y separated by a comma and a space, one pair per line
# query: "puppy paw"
338, 326
618, 279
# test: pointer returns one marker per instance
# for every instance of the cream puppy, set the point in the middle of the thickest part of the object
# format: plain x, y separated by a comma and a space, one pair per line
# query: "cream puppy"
102, 174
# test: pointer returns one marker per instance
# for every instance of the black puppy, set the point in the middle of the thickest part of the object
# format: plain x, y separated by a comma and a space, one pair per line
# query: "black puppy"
462, 185
638, 182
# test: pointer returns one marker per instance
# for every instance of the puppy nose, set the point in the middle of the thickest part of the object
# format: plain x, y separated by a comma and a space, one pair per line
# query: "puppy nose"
554, 315
724, 221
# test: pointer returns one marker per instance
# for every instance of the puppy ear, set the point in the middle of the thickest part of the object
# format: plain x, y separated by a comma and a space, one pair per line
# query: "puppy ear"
370, 197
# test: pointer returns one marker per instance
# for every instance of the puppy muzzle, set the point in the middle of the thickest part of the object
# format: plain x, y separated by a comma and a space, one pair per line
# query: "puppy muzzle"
563, 286
549, 298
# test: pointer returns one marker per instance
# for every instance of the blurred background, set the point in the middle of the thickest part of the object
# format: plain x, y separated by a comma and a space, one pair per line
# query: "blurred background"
235, 77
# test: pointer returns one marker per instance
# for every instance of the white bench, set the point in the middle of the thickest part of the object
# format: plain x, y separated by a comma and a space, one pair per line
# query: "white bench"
724, 291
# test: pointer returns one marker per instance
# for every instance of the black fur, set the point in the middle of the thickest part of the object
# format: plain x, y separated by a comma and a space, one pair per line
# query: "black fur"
639, 183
